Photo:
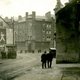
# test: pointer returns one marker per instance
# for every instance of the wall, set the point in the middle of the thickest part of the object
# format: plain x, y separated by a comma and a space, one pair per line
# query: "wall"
67, 38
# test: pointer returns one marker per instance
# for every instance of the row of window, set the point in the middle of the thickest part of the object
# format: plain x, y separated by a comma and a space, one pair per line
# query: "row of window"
29, 37
46, 37
48, 25
47, 32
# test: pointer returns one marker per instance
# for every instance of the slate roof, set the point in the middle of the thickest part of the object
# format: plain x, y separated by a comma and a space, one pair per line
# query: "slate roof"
40, 18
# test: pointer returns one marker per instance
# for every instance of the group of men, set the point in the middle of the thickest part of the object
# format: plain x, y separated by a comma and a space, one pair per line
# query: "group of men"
11, 54
47, 58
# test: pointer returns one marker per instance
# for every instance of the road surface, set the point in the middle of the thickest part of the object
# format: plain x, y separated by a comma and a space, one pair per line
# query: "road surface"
28, 67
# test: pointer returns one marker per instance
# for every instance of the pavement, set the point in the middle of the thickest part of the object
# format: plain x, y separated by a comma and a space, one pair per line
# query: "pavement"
57, 72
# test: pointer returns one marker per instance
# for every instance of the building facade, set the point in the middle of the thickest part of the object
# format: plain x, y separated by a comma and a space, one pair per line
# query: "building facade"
33, 33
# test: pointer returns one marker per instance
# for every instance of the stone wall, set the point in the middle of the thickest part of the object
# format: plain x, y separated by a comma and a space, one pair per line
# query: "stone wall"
67, 45
67, 38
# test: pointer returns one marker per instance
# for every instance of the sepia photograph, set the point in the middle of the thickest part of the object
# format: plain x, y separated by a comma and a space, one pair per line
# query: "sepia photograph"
39, 39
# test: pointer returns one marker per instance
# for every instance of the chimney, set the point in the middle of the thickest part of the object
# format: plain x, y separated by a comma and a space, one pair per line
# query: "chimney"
19, 17
33, 14
6, 18
26, 14
48, 15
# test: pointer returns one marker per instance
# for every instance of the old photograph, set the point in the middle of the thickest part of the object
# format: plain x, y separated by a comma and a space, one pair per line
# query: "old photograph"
39, 39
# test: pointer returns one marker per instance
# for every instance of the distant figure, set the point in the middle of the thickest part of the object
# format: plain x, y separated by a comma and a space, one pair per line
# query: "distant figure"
3, 54
9, 53
49, 59
14, 54
43, 59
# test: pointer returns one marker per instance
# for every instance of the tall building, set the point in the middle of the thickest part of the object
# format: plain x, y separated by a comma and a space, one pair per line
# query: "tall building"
34, 32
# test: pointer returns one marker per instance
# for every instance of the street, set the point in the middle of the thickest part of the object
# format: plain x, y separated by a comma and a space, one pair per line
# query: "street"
10, 68
28, 67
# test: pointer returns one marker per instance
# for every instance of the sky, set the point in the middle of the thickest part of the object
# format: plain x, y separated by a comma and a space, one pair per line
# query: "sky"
10, 8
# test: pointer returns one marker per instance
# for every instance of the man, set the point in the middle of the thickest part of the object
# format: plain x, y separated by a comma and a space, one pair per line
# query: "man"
14, 54
3, 54
49, 59
43, 59
9, 53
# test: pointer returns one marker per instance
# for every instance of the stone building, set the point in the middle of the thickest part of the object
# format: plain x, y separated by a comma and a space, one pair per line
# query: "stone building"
34, 32
67, 38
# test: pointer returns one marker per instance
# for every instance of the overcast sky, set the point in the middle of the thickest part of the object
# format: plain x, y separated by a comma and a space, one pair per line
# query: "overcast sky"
19, 7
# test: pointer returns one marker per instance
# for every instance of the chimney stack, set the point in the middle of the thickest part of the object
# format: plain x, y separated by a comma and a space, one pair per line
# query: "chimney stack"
48, 15
19, 17
26, 14
33, 14
6, 18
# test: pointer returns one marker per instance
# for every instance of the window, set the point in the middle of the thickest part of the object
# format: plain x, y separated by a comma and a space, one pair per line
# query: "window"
43, 30
48, 38
50, 26
47, 25
49, 31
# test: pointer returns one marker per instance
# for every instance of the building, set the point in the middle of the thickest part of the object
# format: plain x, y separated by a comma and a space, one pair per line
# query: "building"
6, 35
33, 33
67, 38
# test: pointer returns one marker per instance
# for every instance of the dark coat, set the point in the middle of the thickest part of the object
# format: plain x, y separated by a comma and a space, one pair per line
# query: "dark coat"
43, 58
49, 56
3, 54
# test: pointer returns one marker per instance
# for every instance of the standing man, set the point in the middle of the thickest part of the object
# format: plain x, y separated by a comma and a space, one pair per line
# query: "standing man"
43, 59
3, 53
49, 58
14, 54
9, 53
